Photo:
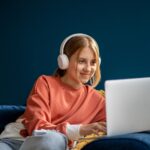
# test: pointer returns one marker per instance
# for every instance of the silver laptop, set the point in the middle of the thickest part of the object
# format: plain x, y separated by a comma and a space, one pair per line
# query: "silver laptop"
127, 105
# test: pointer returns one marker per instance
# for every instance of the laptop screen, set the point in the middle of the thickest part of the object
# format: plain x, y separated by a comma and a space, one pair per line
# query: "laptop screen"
127, 105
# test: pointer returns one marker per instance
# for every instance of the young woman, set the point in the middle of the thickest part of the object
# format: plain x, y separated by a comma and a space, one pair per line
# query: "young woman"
63, 107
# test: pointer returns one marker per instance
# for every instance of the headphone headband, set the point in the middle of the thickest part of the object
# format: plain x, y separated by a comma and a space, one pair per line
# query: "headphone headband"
71, 36
63, 61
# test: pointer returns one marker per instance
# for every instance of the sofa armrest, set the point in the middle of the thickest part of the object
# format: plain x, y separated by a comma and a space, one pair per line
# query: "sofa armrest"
9, 113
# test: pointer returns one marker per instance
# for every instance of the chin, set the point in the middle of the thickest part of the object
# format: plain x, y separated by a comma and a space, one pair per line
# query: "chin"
84, 81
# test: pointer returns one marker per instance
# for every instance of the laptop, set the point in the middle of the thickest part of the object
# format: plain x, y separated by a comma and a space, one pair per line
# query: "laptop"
127, 105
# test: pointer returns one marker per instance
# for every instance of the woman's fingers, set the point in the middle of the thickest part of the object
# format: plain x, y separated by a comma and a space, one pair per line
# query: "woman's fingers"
93, 128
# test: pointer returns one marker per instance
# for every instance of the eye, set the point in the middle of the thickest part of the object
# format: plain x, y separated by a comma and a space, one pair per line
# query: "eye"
93, 62
81, 61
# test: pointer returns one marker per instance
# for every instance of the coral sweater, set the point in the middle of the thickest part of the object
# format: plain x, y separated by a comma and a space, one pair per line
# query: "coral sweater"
53, 104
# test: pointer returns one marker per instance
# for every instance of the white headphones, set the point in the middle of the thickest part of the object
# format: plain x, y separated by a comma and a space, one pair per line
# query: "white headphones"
63, 61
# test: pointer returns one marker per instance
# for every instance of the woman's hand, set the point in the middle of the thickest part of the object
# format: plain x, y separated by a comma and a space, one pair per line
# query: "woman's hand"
93, 128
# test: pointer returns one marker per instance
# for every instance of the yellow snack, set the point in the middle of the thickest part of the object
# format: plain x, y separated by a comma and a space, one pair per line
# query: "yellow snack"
82, 142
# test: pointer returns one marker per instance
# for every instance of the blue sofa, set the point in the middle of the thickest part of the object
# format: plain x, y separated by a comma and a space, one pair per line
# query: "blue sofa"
135, 141
9, 113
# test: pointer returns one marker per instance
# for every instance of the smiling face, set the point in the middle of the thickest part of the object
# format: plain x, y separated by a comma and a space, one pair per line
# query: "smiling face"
82, 66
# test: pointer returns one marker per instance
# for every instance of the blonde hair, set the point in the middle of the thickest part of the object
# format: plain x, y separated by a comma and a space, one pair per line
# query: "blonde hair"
77, 43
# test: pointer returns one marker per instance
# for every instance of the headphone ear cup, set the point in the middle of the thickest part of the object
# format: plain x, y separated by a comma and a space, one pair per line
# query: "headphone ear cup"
63, 61
100, 61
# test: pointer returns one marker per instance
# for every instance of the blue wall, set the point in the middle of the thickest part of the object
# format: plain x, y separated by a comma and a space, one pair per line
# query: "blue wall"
31, 33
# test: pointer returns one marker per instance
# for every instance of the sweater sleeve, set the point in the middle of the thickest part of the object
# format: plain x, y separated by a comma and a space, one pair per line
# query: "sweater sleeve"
38, 111
101, 115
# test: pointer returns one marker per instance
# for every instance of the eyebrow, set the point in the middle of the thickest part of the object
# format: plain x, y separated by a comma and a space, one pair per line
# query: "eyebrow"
86, 58
81, 58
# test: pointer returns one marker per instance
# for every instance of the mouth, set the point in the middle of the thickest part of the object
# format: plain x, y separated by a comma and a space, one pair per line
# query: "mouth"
85, 75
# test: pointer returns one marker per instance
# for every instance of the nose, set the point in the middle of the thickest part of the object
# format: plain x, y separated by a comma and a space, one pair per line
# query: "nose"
87, 67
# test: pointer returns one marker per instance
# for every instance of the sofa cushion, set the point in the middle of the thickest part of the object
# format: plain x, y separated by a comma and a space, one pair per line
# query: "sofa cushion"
133, 141
9, 113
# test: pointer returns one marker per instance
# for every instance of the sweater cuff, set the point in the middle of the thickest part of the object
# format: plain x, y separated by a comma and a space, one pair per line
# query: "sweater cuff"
73, 131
